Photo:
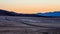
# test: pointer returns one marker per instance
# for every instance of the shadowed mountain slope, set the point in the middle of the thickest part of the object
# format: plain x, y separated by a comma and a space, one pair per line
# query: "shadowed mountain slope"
55, 13
48, 14
9, 13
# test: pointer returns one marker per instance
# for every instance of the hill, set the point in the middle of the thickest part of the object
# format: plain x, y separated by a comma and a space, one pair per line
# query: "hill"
47, 14
55, 13
10, 13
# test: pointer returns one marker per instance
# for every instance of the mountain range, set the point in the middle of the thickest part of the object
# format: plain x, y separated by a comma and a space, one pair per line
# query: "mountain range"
55, 13
11, 13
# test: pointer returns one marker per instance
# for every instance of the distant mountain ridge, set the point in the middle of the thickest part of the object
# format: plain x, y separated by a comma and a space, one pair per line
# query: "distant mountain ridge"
55, 13
10, 13
6, 13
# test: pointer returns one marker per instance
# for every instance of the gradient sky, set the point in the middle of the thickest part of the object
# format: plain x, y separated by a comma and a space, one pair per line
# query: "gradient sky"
30, 6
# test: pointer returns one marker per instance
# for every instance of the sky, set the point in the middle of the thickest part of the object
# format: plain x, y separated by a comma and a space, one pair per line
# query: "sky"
30, 6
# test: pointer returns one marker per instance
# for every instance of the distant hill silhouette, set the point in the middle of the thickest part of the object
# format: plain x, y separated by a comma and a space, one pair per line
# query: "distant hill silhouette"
55, 13
9, 13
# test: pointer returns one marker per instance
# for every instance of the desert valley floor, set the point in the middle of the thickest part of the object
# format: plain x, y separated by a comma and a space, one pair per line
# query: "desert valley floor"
28, 25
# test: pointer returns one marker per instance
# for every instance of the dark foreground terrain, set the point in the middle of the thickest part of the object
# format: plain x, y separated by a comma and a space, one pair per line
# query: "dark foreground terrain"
29, 25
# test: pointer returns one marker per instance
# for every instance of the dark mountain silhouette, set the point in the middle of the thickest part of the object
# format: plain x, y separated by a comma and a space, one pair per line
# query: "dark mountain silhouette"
48, 14
55, 13
10, 13
7, 13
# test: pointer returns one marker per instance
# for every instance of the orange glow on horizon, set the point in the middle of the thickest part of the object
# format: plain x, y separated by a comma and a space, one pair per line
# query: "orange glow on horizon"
30, 6
32, 9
